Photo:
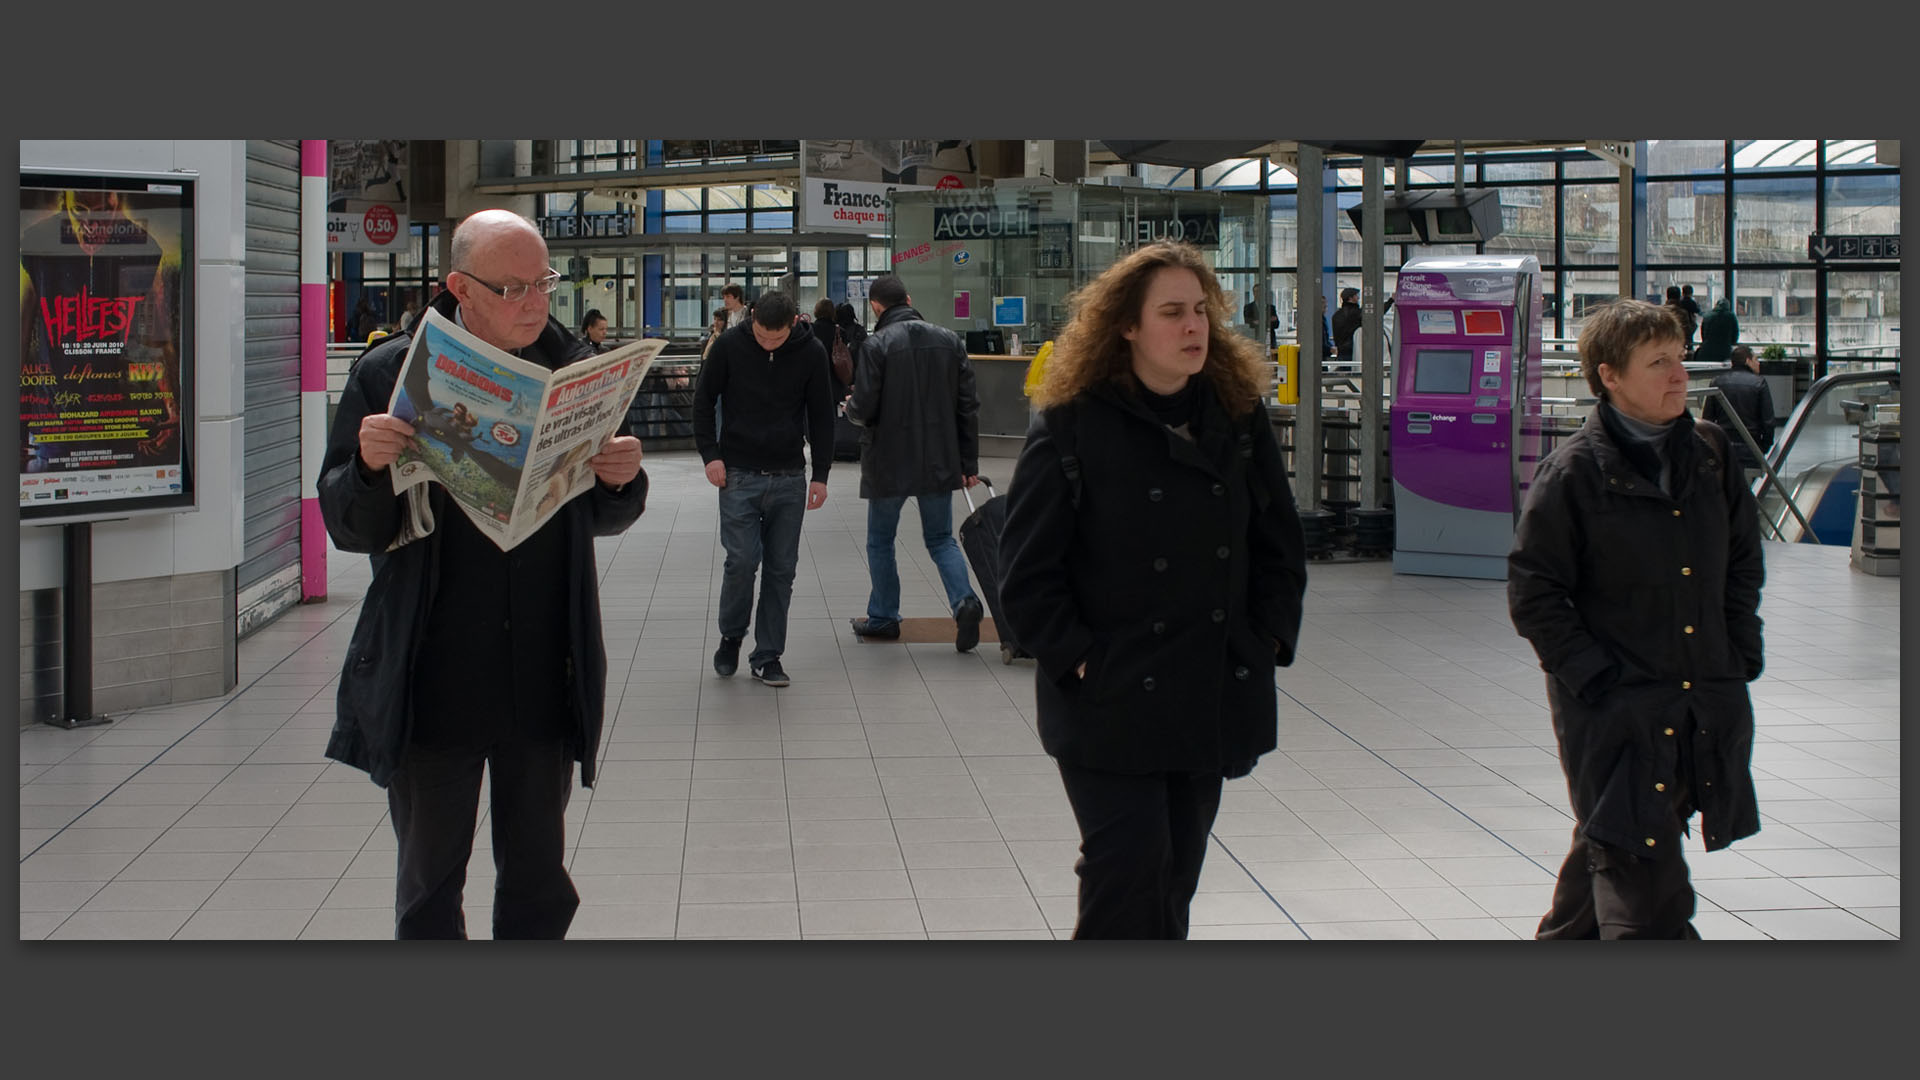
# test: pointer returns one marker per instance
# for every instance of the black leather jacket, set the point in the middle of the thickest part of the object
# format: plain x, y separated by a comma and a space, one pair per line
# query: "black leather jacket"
913, 394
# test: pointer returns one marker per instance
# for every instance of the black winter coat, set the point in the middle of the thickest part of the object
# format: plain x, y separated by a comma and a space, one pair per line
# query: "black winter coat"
1644, 607
375, 701
1179, 579
1752, 399
914, 398
1719, 333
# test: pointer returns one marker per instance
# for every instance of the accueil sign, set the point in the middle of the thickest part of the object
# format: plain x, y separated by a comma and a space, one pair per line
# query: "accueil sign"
1200, 230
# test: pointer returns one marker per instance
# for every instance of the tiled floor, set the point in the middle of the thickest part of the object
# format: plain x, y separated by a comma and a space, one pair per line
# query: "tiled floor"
899, 790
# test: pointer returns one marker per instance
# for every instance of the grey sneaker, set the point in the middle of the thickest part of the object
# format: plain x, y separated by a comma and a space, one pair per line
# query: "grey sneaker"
726, 659
967, 616
771, 673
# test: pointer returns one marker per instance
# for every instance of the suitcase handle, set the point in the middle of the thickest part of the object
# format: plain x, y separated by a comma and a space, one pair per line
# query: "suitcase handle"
968, 492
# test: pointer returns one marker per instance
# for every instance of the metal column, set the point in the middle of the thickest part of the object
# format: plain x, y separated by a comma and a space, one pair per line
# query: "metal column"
1309, 207
1373, 223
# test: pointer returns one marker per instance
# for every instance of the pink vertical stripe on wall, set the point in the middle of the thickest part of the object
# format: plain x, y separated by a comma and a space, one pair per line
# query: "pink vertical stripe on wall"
313, 364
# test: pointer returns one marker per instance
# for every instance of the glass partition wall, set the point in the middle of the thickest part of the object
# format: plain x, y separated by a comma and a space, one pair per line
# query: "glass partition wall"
1006, 258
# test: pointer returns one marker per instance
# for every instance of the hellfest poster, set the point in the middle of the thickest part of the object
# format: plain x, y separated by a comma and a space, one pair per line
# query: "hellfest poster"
105, 266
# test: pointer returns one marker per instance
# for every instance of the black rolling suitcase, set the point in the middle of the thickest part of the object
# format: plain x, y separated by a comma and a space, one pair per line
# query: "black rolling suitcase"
846, 439
980, 539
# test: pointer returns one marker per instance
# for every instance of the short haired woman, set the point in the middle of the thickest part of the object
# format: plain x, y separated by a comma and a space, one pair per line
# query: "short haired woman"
1635, 573
1155, 568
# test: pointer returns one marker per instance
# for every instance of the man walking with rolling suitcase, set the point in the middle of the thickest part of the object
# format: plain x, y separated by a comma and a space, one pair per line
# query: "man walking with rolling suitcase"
913, 394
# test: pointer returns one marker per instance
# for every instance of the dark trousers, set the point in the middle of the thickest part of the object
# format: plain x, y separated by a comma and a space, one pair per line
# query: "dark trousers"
435, 799
1142, 840
1610, 893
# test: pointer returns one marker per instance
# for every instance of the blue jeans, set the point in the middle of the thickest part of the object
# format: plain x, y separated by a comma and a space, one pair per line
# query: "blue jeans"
936, 528
760, 523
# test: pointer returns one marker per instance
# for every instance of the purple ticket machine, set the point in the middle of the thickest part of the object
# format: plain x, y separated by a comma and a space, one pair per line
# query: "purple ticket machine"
1465, 432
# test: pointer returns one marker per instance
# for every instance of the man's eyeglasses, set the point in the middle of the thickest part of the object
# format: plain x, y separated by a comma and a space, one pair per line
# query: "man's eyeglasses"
511, 293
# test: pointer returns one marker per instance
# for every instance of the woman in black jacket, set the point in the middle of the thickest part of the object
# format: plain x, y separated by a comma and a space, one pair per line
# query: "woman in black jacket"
1636, 574
1155, 568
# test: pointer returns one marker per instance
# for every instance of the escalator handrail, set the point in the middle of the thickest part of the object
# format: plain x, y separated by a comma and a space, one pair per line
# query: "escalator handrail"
1797, 419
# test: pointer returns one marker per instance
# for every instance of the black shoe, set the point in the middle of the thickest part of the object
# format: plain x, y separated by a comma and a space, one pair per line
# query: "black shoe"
726, 659
869, 628
771, 673
967, 616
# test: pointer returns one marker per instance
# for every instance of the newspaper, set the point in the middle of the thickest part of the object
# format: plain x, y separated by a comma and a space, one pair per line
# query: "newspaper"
507, 438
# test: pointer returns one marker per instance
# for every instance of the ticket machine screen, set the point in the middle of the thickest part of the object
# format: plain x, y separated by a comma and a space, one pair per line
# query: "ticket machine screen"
1443, 371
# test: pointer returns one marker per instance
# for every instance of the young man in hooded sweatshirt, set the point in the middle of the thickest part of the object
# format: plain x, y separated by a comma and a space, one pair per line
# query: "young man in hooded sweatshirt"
771, 382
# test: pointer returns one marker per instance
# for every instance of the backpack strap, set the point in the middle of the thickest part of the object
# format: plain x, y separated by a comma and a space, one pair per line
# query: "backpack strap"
1262, 498
1062, 424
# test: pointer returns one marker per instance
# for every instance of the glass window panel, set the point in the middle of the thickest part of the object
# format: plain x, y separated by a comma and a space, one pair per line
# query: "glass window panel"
1686, 221
1526, 215
729, 197
769, 220
1666, 157
1517, 170
1587, 291
1772, 217
1233, 172
1775, 307
729, 222
1428, 172
1593, 224
1863, 315
1863, 204
1284, 231
676, 199
1708, 286
681, 223
769, 195
1852, 153
1755, 154
1164, 176
1587, 167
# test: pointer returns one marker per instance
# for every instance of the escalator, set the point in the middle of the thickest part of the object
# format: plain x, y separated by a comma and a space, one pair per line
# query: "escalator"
1817, 460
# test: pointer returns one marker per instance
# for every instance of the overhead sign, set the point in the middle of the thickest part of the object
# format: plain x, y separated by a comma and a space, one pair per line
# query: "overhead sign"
367, 227
1198, 229
981, 222
1883, 246
852, 206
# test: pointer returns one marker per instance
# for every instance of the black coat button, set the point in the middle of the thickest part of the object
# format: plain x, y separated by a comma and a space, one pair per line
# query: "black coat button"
1155, 494
1146, 683
1219, 489
1159, 628
1223, 551
1219, 615
1160, 564
1239, 673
